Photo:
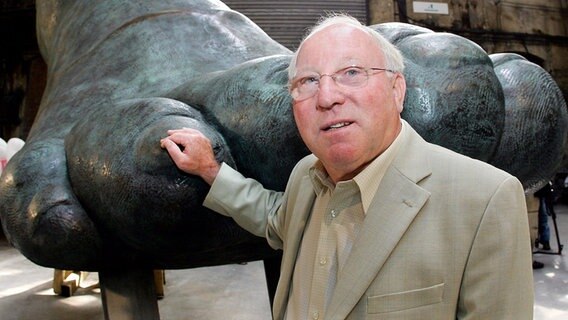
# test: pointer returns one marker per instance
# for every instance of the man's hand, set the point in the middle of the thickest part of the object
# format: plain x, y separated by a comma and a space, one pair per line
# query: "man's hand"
191, 151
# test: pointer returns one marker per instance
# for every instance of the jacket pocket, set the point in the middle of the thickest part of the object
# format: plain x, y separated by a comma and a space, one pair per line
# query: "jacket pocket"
405, 300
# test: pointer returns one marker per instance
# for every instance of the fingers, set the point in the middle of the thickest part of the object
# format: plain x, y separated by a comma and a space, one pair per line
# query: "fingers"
192, 152
172, 148
185, 136
184, 131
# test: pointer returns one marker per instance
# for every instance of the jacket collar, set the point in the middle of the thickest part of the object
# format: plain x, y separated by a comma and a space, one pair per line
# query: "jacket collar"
398, 200
394, 207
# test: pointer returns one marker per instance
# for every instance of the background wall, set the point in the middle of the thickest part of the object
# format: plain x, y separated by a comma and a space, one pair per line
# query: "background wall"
22, 70
536, 29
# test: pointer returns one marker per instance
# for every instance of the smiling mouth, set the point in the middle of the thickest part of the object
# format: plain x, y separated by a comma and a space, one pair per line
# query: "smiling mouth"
338, 126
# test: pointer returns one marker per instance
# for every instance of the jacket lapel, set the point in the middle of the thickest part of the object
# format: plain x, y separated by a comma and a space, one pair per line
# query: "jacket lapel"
397, 201
295, 232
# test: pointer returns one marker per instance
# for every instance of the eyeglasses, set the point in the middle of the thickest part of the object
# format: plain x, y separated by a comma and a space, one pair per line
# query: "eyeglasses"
352, 77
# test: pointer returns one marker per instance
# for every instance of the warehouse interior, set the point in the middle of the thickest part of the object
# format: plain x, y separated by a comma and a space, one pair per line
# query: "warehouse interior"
535, 30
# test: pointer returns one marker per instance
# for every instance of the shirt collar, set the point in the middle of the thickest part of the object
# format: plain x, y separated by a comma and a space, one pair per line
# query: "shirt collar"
367, 180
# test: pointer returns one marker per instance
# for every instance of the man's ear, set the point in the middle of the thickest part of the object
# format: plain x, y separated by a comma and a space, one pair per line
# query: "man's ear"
399, 90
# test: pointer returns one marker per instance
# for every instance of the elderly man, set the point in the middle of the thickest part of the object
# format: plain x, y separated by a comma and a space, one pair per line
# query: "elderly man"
376, 223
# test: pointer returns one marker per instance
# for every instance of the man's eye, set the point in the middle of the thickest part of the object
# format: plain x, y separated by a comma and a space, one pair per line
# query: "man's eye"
309, 80
352, 72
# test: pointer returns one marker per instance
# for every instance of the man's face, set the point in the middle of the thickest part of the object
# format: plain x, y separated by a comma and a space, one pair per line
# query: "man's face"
347, 127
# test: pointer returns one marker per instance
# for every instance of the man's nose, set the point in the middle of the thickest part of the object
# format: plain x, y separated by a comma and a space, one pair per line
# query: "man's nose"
329, 92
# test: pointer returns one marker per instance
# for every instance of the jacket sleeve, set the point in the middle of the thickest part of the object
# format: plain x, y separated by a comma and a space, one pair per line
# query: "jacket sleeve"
253, 207
498, 280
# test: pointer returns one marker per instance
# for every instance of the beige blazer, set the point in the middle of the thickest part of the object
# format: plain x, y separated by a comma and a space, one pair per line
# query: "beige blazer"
446, 237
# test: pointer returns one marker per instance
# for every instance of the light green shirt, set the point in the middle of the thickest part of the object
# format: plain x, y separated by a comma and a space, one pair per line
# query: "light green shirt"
337, 216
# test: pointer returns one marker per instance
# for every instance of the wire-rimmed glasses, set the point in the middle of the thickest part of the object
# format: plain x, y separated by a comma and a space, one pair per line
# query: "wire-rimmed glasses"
353, 77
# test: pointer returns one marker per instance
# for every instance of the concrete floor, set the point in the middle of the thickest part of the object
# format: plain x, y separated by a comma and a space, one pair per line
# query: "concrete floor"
551, 282
214, 293
217, 293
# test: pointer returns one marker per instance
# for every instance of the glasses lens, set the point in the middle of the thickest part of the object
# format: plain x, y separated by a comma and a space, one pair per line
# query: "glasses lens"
351, 77
305, 87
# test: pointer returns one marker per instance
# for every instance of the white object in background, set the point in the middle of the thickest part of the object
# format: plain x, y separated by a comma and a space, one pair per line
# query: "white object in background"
430, 7
3, 157
13, 145
8, 150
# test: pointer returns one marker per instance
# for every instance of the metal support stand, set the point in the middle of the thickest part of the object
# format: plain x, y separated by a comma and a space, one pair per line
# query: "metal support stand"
129, 294
559, 245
